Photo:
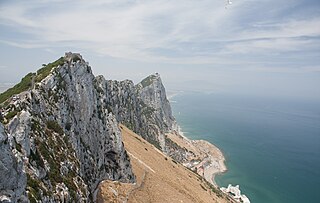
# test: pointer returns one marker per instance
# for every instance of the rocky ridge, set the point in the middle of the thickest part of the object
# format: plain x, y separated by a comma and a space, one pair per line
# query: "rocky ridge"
68, 142
61, 132
144, 107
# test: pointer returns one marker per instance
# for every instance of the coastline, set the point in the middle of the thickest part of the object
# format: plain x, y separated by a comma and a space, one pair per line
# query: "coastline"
207, 160
203, 157
211, 162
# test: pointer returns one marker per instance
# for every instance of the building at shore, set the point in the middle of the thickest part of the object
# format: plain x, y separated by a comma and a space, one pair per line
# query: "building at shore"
235, 193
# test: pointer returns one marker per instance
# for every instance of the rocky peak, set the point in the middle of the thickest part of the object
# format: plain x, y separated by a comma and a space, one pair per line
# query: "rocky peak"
144, 107
153, 94
150, 80
64, 124
68, 139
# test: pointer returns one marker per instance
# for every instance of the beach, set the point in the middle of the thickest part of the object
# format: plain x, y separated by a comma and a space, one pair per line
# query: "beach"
203, 157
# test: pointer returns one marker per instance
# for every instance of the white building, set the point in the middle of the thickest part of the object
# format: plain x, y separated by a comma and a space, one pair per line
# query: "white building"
235, 193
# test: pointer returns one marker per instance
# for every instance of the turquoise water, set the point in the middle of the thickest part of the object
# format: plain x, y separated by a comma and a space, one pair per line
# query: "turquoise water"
272, 146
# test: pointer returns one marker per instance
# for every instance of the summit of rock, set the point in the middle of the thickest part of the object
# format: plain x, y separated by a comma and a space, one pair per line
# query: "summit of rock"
60, 134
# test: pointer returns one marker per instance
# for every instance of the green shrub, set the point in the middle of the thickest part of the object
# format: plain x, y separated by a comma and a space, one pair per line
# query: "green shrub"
11, 114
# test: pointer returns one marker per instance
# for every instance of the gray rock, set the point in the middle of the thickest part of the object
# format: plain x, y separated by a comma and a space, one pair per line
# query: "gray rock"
66, 135
12, 177
144, 107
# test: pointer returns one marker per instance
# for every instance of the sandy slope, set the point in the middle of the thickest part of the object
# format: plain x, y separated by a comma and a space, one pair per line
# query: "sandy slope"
159, 178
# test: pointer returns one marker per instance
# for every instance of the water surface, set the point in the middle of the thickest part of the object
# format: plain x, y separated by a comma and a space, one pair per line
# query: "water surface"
272, 146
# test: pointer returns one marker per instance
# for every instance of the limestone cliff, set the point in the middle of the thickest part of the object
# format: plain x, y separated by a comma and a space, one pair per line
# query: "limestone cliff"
67, 140
12, 176
62, 126
144, 107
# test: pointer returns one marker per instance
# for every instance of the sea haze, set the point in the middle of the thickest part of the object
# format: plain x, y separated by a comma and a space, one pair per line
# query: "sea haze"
272, 146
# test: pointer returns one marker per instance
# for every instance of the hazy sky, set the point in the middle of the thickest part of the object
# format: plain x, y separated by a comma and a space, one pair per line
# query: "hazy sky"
266, 47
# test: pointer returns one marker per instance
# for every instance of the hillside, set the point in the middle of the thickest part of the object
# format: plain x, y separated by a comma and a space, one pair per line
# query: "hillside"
159, 178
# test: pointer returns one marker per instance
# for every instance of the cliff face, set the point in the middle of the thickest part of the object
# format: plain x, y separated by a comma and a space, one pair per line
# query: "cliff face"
13, 179
62, 127
144, 107
69, 142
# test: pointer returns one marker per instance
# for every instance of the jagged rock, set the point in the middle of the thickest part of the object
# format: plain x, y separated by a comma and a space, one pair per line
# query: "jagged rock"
65, 136
12, 177
144, 107
65, 129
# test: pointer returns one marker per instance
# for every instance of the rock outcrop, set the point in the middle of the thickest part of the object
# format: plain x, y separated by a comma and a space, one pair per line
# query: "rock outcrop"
69, 142
13, 179
144, 107
63, 128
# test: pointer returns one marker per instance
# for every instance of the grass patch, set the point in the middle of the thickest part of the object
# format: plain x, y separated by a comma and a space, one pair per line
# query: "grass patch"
45, 71
26, 81
23, 85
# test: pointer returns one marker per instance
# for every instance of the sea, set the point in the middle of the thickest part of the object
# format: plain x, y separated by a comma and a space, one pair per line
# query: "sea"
271, 145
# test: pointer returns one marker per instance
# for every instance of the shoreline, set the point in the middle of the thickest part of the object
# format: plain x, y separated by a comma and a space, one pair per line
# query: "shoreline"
206, 159
212, 163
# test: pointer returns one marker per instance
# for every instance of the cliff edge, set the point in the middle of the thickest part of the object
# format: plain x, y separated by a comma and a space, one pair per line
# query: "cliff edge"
60, 135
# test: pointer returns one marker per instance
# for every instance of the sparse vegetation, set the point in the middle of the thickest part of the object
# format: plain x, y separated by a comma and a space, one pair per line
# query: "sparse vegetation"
45, 71
34, 188
31, 198
147, 81
26, 82
35, 156
23, 85
11, 114
53, 125
148, 111
154, 143
35, 126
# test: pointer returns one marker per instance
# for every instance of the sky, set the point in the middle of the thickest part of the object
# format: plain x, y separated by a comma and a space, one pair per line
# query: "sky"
263, 48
